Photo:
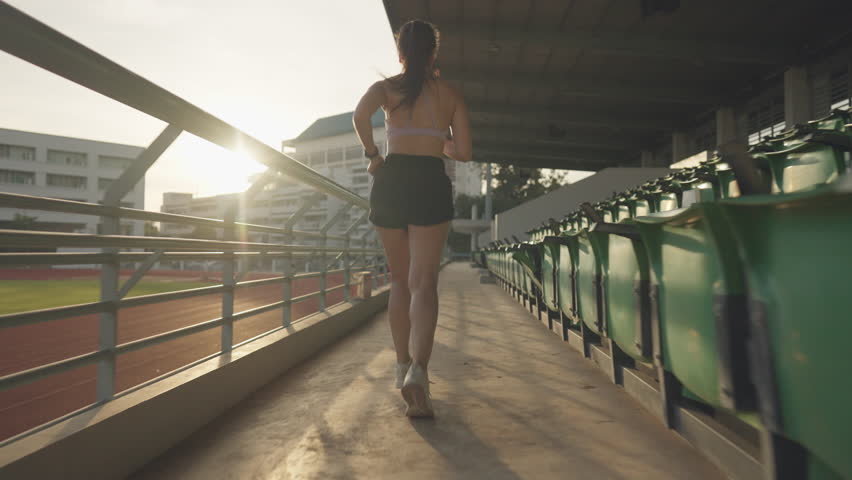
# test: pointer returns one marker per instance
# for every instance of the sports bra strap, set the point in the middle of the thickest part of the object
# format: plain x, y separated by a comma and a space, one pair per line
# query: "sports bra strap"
393, 131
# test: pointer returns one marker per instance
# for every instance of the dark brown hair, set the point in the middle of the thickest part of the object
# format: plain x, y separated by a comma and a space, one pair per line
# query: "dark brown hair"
416, 41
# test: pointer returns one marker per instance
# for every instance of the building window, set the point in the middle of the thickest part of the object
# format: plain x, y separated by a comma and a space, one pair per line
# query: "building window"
73, 159
106, 161
360, 179
354, 152
104, 183
66, 181
286, 202
335, 155
359, 170
17, 177
15, 152
123, 229
203, 208
317, 158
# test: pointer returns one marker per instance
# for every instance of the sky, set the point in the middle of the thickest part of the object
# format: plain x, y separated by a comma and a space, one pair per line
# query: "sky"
268, 67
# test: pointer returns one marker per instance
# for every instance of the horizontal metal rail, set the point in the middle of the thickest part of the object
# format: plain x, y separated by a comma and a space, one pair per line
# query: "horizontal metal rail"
169, 296
37, 316
43, 315
34, 42
75, 258
37, 373
32, 239
27, 376
29, 202
38, 44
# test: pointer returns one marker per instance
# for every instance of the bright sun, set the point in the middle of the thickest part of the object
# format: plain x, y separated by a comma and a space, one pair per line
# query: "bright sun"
218, 170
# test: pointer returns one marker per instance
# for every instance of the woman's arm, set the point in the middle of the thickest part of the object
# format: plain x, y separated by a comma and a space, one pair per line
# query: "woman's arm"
361, 119
459, 148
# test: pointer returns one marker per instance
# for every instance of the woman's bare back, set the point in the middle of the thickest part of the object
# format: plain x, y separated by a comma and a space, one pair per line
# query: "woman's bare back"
436, 103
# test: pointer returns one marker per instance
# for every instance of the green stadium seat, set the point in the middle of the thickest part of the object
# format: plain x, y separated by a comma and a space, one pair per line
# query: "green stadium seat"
550, 272
697, 297
797, 263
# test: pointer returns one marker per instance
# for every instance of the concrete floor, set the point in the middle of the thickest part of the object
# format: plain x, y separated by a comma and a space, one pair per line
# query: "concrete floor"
512, 402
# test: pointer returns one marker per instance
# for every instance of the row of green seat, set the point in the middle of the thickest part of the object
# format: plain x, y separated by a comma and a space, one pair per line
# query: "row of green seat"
731, 278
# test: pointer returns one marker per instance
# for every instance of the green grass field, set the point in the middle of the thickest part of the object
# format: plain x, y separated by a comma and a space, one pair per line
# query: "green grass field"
26, 295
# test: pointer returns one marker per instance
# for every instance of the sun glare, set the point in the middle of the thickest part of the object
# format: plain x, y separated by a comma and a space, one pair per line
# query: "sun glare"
219, 170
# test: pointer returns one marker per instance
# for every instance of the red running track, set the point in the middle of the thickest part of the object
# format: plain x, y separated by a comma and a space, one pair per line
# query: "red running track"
29, 346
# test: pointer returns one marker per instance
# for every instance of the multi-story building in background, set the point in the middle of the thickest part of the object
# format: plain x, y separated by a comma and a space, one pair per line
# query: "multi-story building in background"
329, 146
65, 168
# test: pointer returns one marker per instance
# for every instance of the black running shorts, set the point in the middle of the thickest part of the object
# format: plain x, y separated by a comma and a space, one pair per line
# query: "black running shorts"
410, 190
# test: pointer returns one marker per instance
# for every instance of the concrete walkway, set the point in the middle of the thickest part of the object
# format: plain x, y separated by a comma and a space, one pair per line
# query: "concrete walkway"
512, 401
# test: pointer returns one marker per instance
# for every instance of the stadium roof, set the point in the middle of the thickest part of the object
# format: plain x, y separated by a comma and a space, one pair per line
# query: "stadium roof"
589, 84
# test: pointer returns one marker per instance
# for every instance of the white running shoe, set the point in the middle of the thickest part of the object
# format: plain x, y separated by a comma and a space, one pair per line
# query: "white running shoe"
415, 391
401, 371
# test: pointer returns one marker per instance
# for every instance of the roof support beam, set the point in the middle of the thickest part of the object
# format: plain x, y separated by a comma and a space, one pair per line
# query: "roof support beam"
570, 117
542, 159
570, 85
558, 164
554, 138
630, 44
590, 154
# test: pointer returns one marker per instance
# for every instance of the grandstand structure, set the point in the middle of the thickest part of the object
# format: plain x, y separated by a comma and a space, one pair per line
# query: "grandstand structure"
712, 298
709, 294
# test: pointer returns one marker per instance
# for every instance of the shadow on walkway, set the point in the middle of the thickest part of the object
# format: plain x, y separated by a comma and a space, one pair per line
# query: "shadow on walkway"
512, 402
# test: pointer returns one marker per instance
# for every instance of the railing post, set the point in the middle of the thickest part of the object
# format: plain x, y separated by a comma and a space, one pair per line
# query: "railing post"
323, 259
110, 225
287, 286
347, 255
347, 272
228, 271
323, 241
363, 250
289, 268
107, 330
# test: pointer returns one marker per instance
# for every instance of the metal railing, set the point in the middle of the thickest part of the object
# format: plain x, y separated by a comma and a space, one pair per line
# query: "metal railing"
34, 42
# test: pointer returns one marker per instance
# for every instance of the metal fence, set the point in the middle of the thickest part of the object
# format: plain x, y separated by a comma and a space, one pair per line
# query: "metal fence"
32, 41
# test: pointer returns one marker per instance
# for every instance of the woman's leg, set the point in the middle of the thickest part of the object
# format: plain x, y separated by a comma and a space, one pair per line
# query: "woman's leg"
425, 246
395, 242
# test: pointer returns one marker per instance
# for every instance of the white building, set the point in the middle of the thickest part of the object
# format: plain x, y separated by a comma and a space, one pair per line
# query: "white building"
331, 140
185, 204
467, 177
331, 147
65, 168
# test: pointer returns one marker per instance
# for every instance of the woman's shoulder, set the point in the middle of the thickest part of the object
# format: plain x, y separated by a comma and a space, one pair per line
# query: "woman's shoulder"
446, 86
448, 89
390, 82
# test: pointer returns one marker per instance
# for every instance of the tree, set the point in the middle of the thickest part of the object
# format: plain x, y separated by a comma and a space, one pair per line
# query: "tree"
22, 222
516, 185
151, 230
511, 187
